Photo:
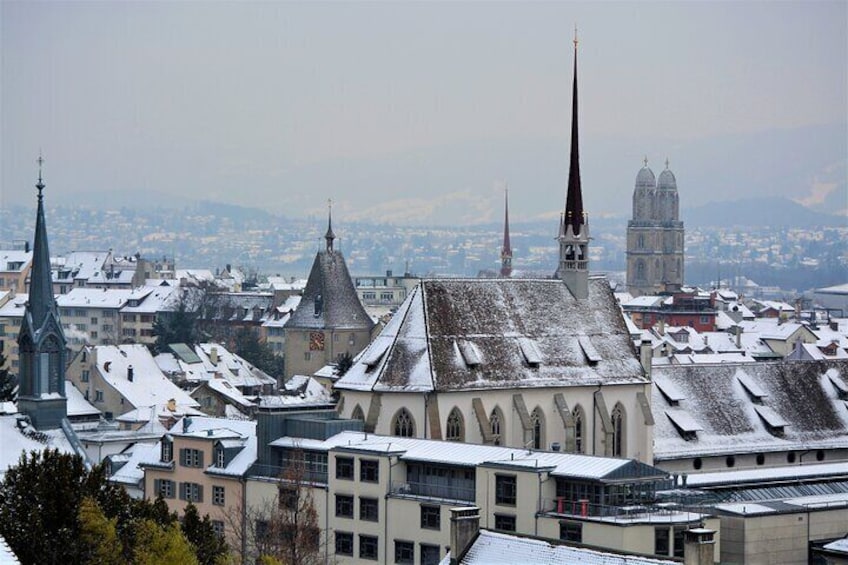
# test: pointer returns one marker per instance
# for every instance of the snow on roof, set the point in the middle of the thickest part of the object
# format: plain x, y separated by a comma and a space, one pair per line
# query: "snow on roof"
9, 258
130, 473
14, 307
466, 454
152, 299
149, 385
238, 371
840, 545
77, 404
492, 548
14, 442
221, 428
82, 265
224, 388
767, 474
94, 298
646, 301
423, 340
800, 395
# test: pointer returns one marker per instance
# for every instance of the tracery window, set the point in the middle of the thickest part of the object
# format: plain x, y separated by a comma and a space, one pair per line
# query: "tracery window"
618, 430
578, 429
495, 425
404, 425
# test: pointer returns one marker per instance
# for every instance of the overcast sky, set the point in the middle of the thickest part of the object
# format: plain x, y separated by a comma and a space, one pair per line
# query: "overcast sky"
282, 105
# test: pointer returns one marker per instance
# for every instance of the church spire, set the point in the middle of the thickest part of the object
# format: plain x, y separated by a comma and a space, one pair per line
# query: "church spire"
574, 198
506, 251
41, 299
330, 236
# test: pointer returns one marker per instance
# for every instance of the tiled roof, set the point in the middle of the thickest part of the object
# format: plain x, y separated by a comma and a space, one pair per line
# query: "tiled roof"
461, 334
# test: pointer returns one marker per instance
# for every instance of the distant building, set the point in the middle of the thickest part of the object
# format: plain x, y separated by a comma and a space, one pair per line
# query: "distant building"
655, 235
384, 290
506, 250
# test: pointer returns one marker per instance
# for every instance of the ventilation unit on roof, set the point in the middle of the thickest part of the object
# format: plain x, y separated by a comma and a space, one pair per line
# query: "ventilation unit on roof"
684, 423
470, 353
669, 391
531, 352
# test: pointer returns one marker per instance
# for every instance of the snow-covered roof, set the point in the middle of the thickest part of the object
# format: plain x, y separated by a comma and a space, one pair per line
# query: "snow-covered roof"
149, 385
223, 428
94, 298
78, 406
14, 307
228, 391
766, 406
840, 545
131, 474
197, 365
152, 299
468, 454
492, 548
14, 442
463, 334
767, 474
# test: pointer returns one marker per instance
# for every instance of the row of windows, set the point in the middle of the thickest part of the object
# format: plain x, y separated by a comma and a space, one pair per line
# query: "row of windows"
368, 507
191, 492
430, 554
369, 469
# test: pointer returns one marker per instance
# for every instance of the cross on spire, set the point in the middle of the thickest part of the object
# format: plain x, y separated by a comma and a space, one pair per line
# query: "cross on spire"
575, 36
645, 160
40, 185
666, 163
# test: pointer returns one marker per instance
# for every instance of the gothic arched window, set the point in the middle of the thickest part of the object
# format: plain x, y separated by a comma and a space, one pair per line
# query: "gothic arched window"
640, 270
537, 421
357, 413
495, 420
454, 431
404, 425
579, 420
618, 430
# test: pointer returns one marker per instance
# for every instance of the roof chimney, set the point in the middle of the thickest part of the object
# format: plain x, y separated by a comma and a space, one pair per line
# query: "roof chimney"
130, 373
645, 355
465, 525
107, 365
698, 546
213, 355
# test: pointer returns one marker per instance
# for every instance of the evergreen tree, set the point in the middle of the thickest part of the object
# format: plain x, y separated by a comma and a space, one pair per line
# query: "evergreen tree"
99, 541
8, 382
208, 546
249, 346
158, 545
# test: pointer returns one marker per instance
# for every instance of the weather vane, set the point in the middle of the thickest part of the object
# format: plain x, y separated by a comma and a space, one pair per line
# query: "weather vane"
40, 185
575, 36
666, 162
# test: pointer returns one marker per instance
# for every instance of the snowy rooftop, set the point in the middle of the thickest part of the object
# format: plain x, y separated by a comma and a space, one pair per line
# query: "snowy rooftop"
78, 406
840, 545
767, 474
492, 548
12, 258
775, 406
466, 454
14, 442
461, 334
94, 298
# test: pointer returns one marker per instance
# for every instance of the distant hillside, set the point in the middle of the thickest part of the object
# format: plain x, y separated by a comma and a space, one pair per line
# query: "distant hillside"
755, 212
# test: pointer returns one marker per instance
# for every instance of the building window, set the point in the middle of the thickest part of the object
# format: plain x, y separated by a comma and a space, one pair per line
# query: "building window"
661, 541
357, 413
344, 468
431, 517
218, 528
578, 429
98, 396
430, 554
167, 451
618, 431
505, 522
86, 374
307, 356
164, 488
191, 492
404, 551
571, 531
368, 547
678, 542
368, 509
537, 419
344, 543
404, 425
495, 425
505, 490
218, 496
344, 506
369, 471
191, 457
454, 429
220, 458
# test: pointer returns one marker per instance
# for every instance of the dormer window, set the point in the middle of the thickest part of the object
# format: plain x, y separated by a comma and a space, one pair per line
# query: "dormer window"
220, 458
167, 451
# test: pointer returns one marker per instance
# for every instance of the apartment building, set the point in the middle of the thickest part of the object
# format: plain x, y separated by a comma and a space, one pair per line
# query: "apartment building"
92, 316
15, 266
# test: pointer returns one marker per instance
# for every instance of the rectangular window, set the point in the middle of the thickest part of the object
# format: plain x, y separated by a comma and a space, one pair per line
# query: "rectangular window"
218, 528
404, 551
368, 547
430, 554
571, 531
191, 492
661, 541
191, 457
505, 522
167, 451
678, 542
369, 471
98, 396
505, 490
368, 509
94, 321
344, 468
344, 506
218, 496
431, 517
86, 374
344, 543
164, 488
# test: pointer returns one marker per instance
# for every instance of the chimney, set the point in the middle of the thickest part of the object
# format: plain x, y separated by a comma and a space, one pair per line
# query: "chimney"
738, 331
172, 405
186, 424
834, 325
130, 373
213, 355
107, 365
698, 546
645, 355
661, 327
465, 525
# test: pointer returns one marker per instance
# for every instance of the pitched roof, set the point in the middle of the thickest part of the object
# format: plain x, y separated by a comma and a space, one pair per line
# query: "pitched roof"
774, 406
462, 334
329, 299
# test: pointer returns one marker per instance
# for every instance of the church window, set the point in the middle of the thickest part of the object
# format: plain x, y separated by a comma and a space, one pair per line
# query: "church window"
495, 425
454, 429
357, 413
538, 425
404, 426
618, 431
578, 429
640, 270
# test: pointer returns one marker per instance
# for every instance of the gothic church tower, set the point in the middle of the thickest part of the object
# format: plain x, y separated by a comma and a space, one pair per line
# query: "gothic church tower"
41, 342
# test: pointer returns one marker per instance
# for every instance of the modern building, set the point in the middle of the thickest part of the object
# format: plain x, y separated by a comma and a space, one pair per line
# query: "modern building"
655, 235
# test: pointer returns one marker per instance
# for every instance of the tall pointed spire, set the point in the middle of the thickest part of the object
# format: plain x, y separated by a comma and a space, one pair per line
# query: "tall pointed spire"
330, 236
41, 299
574, 197
506, 251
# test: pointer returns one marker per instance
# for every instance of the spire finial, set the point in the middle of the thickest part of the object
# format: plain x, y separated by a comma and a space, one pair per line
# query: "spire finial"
40, 185
666, 163
575, 37
329, 236
645, 160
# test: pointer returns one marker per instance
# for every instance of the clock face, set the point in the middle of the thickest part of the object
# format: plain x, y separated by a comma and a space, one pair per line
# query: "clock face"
316, 341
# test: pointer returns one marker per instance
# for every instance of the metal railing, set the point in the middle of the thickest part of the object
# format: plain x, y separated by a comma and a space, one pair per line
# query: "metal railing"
276, 472
585, 509
463, 493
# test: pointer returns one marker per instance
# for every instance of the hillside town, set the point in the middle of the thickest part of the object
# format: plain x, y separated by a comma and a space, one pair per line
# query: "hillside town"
509, 416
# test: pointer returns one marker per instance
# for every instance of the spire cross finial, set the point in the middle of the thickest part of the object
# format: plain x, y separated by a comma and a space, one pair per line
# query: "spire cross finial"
40, 185
666, 162
645, 160
330, 204
575, 37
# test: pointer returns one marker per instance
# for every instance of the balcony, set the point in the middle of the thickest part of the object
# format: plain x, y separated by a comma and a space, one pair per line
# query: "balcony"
456, 493
315, 475
642, 512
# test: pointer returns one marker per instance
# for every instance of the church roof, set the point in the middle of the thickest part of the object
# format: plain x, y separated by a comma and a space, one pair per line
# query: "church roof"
667, 180
329, 299
787, 405
645, 178
466, 334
